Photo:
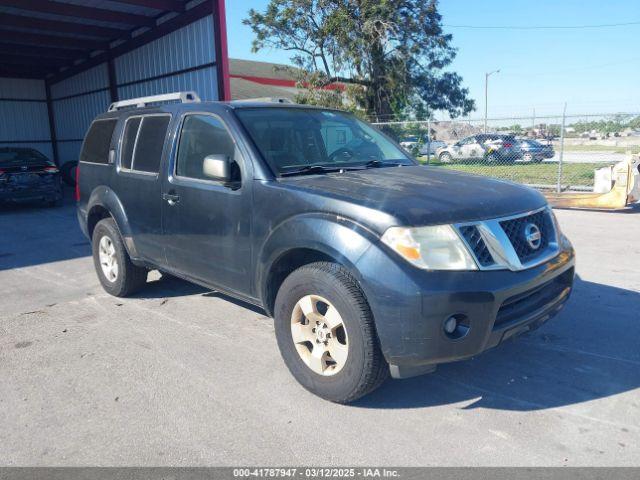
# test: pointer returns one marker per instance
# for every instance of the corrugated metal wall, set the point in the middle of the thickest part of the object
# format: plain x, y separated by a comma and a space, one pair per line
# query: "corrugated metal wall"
204, 82
185, 48
76, 102
24, 120
181, 60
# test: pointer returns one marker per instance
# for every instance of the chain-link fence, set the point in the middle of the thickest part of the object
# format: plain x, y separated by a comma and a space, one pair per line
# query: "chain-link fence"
557, 153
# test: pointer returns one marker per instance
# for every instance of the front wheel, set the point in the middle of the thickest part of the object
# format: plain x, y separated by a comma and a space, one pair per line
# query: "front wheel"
326, 334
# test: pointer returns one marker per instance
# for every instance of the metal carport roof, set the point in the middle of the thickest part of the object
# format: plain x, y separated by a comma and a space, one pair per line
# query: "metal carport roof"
52, 40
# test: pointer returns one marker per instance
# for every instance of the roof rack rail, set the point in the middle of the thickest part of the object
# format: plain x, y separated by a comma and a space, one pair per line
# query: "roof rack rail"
265, 99
183, 97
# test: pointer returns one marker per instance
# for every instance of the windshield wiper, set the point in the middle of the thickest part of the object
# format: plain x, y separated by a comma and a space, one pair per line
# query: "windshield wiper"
311, 169
381, 163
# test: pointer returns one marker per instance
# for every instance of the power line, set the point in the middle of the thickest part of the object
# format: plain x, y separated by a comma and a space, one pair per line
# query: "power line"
542, 27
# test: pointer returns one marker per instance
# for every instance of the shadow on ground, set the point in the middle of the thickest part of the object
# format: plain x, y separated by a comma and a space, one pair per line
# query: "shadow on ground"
24, 226
169, 286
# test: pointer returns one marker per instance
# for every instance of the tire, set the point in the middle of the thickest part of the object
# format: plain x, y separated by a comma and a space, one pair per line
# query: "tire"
128, 278
528, 157
445, 157
492, 158
363, 368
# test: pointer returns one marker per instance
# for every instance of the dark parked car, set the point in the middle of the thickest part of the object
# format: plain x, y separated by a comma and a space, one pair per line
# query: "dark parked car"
27, 175
369, 263
534, 151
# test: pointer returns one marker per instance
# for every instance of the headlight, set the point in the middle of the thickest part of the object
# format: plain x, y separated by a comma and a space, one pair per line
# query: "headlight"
431, 248
562, 238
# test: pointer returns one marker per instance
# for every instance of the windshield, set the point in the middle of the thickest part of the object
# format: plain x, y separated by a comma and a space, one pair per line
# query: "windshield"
293, 139
11, 157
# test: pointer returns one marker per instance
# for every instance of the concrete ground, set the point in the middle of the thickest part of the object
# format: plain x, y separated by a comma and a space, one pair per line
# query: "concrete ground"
183, 376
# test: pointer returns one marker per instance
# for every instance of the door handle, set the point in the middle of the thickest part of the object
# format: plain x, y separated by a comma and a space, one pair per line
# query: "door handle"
171, 198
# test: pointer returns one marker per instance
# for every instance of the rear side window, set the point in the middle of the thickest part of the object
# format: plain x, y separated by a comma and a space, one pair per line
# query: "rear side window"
142, 143
150, 142
97, 142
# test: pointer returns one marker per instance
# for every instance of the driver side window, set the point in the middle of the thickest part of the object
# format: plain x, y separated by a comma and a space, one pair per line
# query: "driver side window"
201, 136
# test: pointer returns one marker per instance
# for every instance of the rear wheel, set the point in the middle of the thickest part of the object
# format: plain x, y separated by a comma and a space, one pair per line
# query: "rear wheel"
117, 274
528, 157
326, 333
445, 157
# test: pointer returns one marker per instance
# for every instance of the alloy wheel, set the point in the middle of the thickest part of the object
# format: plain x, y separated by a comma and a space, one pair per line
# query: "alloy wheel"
319, 335
108, 259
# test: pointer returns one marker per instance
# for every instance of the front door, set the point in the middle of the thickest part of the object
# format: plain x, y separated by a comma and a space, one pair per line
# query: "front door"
207, 223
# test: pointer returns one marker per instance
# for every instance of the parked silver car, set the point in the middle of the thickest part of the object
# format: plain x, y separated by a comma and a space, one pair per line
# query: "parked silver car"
488, 147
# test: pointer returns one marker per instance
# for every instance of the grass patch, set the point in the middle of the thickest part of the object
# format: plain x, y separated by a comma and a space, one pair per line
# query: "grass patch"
574, 174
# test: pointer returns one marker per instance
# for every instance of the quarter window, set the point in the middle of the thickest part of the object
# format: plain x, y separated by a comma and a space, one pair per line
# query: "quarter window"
203, 135
129, 141
142, 143
98, 141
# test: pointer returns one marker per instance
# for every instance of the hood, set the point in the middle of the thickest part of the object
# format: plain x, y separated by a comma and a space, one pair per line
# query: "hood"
419, 195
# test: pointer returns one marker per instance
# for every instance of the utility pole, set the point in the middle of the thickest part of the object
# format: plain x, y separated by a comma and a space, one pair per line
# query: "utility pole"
533, 122
560, 160
486, 96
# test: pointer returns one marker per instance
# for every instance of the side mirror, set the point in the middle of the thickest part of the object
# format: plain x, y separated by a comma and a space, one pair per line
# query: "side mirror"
217, 167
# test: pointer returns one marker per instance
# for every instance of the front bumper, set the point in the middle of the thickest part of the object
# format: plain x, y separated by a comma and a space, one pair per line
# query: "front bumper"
410, 307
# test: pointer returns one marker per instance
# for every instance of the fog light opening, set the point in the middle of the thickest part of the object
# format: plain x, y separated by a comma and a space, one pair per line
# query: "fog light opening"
456, 326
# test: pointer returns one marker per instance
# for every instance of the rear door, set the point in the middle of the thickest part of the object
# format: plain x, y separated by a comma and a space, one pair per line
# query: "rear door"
138, 181
207, 223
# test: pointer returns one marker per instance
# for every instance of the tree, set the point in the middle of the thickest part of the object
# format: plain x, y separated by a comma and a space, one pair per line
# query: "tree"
395, 51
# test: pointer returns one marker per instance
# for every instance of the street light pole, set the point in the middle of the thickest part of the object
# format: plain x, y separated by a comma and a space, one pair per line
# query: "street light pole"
486, 96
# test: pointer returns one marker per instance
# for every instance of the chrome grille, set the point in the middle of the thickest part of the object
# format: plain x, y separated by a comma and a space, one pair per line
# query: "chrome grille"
472, 235
501, 243
515, 230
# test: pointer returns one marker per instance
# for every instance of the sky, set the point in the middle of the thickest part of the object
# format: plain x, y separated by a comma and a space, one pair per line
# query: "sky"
593, 70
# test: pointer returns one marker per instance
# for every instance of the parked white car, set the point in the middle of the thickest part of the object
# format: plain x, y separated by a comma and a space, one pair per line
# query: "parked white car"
421, 146
487, 147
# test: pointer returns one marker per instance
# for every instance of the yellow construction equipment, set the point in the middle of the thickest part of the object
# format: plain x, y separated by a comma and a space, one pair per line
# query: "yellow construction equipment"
625, 190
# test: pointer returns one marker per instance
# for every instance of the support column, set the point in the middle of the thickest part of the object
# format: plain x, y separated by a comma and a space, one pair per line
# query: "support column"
222, 53
52, 124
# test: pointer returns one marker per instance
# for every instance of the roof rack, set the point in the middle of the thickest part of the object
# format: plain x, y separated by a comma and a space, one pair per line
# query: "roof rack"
265, 99
183, 97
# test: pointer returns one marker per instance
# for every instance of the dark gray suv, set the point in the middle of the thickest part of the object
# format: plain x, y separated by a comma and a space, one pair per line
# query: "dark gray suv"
369, 263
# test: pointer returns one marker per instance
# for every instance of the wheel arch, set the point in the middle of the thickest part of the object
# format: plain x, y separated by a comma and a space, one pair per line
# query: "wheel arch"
104, 203
302, 241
